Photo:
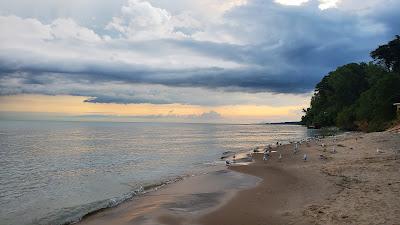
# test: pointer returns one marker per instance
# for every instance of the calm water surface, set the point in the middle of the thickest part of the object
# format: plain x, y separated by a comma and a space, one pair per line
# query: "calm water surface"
55, 172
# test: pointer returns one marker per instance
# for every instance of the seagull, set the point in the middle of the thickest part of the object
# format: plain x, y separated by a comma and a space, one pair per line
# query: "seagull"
305, 157
266, 155
280, 156
296, 148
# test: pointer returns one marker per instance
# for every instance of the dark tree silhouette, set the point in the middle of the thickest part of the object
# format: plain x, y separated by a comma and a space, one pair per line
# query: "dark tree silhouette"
359, 96
388, 55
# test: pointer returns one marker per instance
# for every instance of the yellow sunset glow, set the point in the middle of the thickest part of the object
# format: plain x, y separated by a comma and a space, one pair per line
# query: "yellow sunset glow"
75, 105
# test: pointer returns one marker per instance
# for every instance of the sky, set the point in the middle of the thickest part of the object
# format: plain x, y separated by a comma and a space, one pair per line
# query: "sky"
234, 61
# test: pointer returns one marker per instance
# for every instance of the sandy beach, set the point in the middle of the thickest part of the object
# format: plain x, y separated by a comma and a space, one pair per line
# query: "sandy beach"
352, 178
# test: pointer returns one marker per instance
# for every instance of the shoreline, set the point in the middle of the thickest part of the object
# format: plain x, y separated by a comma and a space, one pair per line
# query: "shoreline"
322, 190
177, 202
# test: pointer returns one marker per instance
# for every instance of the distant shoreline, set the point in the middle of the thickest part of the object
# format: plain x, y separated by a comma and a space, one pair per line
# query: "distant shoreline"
285, 123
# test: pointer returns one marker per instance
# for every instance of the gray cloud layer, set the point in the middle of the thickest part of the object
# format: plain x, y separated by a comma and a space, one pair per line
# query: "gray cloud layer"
257, 47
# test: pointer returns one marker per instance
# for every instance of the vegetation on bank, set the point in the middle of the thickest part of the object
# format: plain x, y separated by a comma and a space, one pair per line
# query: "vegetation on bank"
359, 96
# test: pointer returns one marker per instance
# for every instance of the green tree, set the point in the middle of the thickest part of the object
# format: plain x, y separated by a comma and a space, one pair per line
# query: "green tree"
346, 119
359, 96
388, 55
336, 91
375, 106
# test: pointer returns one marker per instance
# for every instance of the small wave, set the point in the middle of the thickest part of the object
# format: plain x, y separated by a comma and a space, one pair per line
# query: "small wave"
73, 215
215, 163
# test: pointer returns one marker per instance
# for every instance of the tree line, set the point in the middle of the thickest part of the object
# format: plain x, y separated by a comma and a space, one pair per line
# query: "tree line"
359, 96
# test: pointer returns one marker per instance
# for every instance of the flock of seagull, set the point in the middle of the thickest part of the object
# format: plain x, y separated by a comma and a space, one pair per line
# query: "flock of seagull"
296, 148
268, 150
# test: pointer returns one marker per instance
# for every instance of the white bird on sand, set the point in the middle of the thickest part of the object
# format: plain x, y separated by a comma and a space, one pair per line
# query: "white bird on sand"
305, 157
296, 148
266, 155
280, 156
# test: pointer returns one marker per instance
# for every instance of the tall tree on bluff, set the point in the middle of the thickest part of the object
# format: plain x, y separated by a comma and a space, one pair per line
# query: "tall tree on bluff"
388, 55
359, 96
337, 91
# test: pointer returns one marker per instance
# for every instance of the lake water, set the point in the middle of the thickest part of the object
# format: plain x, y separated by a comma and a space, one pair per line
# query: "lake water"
56, 172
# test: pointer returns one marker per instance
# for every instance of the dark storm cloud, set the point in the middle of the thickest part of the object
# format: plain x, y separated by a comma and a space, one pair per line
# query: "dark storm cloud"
245, 80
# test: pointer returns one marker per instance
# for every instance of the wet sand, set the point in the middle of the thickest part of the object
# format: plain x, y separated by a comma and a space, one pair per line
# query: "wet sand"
358, 183
177, 203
